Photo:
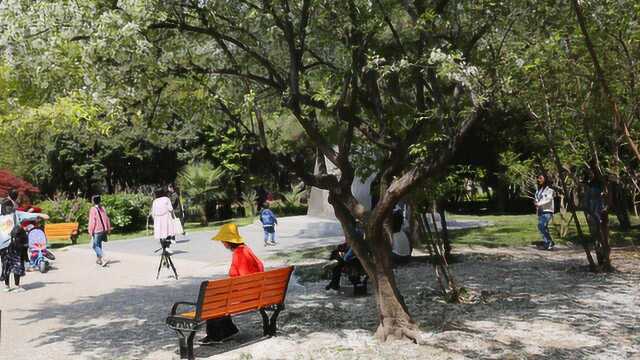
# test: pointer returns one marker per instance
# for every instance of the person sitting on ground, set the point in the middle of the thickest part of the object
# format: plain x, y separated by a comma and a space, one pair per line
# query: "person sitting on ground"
342, 256
343, 260
400, 244
269, 222
244, 262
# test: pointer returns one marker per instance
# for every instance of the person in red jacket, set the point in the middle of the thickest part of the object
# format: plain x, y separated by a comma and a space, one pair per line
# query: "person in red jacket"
244, 262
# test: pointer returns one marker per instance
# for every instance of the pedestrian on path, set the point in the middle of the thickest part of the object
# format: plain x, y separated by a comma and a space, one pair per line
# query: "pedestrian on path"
13, 243
244, 262
545, 209
269, 222
99, 228
163, 218
177, 205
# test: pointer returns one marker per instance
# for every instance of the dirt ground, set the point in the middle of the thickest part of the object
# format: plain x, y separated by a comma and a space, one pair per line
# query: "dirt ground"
525, 304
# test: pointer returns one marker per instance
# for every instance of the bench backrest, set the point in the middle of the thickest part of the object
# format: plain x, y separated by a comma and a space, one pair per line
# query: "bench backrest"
60, 231
235, 295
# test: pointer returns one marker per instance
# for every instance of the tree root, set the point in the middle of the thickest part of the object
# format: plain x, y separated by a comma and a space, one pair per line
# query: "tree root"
394, 329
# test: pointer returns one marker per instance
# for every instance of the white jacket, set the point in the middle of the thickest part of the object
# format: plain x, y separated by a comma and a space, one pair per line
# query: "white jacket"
544, 200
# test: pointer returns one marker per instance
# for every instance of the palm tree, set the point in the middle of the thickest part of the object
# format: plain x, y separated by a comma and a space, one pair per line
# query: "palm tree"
202, 183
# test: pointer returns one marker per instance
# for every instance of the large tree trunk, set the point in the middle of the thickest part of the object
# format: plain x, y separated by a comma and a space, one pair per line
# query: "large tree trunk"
395, 321
374, 253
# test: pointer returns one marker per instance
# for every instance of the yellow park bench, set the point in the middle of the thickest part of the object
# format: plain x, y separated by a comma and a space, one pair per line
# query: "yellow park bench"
227, 297
62, 231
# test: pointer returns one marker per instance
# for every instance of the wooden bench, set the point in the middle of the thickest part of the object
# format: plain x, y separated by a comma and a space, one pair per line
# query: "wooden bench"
62, 231
261, 292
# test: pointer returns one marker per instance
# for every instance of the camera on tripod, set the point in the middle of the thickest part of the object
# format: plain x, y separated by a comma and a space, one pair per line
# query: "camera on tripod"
165, 257
165, 243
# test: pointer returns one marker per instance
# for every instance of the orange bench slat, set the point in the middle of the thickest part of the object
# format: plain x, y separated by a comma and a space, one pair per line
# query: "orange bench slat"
232, 296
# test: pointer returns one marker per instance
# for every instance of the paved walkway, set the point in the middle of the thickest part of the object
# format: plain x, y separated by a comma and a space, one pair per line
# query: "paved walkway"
79, 310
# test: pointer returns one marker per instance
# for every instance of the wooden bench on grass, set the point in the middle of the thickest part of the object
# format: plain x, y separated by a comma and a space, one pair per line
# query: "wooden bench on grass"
261, 292
62, 231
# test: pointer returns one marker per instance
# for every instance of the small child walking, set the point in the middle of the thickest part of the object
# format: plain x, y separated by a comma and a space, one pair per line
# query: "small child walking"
269, 222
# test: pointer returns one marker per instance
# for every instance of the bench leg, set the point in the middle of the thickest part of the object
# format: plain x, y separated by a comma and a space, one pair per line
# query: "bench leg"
269, 325
186, 344
265, 322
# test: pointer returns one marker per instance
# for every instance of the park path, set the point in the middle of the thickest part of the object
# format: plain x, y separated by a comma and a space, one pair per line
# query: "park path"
79, 310
296, 232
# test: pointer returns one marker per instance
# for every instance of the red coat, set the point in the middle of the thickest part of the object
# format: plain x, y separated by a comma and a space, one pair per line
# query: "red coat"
245, 262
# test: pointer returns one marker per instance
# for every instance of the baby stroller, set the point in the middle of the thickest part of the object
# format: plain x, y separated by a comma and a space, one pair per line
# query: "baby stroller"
39, 255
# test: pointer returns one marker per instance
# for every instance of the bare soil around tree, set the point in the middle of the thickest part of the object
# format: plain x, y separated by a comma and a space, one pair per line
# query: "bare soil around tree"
522, 304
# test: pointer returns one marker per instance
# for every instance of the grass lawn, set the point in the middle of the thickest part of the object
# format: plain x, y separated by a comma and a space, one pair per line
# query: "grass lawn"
521, 230
189, 227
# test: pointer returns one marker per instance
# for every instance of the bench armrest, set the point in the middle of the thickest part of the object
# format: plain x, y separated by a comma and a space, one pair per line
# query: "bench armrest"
174, 309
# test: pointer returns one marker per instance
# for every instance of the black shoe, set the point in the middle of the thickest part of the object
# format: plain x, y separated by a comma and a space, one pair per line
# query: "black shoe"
207, 341
332, 286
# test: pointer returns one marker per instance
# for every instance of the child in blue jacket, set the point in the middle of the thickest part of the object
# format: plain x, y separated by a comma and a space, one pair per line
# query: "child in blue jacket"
269, 222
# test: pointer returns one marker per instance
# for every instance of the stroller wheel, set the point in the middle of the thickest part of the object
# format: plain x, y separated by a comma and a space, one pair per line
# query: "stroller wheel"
42, 266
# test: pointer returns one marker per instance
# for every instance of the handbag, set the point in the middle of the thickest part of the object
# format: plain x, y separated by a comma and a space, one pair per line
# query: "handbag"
104, 236
177, 225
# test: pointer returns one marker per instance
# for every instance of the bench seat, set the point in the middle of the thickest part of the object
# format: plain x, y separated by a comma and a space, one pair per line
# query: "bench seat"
261, 292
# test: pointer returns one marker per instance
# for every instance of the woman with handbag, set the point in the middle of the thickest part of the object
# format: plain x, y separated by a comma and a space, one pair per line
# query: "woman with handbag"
99, 228
164, 220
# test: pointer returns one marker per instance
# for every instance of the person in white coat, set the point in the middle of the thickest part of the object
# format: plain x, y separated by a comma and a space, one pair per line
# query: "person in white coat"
163, 218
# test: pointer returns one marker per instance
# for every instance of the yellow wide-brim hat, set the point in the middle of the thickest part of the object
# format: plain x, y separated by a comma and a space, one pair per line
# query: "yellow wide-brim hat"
229, 233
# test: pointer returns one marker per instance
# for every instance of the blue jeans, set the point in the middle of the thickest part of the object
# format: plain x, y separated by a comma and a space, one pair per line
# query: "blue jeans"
543, 227
269, 234
97, 243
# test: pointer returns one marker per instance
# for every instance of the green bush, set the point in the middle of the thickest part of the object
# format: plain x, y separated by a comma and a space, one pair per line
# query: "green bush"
127, 211
281, 208
62, 209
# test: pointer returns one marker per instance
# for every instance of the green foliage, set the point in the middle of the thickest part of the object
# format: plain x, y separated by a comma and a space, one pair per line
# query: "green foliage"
519, 174
63, 209
249, 203
202, 182
127, 211
282, 208
294, 197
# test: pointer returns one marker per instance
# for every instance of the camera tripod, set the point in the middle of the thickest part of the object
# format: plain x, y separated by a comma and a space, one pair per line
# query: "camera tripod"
165, 260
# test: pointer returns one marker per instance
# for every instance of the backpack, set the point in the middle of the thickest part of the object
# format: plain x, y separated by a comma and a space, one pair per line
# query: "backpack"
12, 234
19, 236
267, 217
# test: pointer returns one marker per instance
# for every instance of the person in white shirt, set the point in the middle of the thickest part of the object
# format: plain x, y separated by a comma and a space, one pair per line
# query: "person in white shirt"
400, 245
545, 209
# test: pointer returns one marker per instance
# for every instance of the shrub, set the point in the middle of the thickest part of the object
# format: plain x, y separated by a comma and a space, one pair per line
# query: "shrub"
248, 202
281, 208
127, 211
63, 209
